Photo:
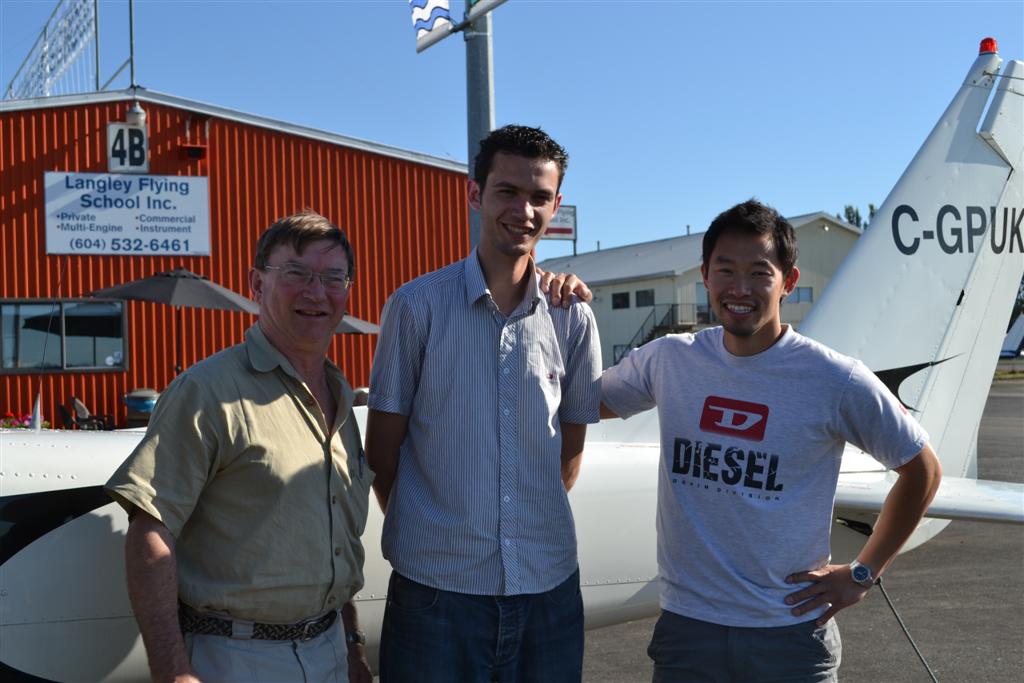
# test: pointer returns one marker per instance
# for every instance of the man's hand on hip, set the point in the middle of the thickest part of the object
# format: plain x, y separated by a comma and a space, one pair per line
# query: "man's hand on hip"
832, 585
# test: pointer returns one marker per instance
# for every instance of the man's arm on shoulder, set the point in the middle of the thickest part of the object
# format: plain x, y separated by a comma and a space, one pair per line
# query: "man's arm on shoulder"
901, 512
153, 590
574, 437
607, 413
385, 433
560, 288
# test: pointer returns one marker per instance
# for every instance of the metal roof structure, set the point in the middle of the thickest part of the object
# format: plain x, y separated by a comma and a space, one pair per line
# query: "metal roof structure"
143, 95
666, 257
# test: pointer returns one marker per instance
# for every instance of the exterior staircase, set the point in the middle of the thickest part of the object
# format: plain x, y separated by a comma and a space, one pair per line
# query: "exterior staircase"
668, 319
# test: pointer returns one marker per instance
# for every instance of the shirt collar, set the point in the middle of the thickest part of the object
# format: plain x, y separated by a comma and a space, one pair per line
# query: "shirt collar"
476, 285
264, 357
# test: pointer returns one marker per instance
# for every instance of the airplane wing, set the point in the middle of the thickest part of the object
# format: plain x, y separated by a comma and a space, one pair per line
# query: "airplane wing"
977, 500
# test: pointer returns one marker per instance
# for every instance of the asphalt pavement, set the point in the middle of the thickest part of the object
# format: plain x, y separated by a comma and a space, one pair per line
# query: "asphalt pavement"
961, 595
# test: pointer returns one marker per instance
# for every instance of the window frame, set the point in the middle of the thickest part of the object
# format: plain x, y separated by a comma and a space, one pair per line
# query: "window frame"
636, 297
797, 292
64, 369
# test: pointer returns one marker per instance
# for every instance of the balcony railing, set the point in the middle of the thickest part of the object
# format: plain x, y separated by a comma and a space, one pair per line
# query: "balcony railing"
666, 319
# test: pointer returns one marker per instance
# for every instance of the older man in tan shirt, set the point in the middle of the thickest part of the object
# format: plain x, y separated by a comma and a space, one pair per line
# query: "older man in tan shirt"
248, 493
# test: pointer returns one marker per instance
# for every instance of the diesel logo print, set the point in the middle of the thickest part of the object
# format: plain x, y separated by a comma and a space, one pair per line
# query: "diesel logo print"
734, 418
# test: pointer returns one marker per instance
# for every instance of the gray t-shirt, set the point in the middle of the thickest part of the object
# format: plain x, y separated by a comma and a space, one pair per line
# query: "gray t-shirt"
751, 448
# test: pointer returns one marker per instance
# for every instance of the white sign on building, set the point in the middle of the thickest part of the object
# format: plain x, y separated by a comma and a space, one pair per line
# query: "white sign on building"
127, 215
563, 224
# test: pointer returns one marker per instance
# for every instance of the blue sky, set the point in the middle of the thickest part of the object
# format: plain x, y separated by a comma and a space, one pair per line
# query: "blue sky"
671, 111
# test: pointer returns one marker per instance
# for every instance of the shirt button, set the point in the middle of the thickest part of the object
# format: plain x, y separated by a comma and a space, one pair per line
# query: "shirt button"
505, 411
337, 552
508, 542
334, 499
505, 498
505, 371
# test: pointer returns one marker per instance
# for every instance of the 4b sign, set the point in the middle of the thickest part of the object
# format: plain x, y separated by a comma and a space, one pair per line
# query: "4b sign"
127, 148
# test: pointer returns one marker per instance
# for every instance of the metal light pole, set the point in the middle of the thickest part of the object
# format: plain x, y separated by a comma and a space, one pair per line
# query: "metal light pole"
479, 99
432, 27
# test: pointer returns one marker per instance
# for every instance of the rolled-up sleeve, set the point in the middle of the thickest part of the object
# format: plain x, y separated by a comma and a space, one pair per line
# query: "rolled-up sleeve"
168, 470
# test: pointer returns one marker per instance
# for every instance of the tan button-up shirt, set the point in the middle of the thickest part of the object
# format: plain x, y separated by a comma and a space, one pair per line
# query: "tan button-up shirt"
266, 502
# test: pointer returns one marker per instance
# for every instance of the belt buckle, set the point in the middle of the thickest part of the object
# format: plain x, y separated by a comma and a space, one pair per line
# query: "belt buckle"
305, 628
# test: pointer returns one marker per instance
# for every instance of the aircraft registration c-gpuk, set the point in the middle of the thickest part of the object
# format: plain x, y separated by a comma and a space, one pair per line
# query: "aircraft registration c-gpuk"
922, 299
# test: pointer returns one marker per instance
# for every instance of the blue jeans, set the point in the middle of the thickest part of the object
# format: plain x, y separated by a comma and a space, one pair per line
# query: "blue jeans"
435, 636
688, 650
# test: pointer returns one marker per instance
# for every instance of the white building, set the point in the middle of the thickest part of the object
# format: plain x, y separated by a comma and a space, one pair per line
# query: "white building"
644, 290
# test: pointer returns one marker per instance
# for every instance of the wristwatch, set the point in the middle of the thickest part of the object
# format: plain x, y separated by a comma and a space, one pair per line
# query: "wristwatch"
355, 638
862, 574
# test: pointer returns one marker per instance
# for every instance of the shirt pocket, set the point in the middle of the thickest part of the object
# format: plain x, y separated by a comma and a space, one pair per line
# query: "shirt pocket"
544, 369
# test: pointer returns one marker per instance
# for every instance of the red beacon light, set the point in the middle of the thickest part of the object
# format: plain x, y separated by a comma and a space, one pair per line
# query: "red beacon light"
988, 45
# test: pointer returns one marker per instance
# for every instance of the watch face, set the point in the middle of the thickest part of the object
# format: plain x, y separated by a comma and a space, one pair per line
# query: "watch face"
861, 574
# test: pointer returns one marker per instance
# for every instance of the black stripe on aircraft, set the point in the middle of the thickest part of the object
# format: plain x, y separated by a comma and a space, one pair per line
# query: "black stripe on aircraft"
10, 675
29, 516
894, 377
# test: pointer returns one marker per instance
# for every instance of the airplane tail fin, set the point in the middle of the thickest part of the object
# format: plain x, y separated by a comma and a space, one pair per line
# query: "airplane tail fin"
924, 298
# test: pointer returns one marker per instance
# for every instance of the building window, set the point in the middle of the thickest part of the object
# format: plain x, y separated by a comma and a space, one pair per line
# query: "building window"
620, 300
644, 297
801, 295
62, 335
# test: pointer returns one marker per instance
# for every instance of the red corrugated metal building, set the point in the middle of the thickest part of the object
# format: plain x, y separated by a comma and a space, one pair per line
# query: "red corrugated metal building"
405, 214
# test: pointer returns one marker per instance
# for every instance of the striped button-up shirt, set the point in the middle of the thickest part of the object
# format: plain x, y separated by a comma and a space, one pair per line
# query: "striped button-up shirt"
478, 504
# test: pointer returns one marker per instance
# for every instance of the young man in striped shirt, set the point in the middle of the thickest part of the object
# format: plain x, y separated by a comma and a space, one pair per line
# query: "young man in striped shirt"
479, 399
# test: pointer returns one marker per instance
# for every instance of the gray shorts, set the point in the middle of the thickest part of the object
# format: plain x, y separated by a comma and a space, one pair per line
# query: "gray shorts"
696, 651
219, 659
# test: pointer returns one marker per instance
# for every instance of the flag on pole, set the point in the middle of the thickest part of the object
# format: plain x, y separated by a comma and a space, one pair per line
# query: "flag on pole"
431, 20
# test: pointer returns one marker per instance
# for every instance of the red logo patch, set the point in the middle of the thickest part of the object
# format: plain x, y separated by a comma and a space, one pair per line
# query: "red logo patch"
735, 418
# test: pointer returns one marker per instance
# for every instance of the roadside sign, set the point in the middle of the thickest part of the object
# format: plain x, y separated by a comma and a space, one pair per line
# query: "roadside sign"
563, 224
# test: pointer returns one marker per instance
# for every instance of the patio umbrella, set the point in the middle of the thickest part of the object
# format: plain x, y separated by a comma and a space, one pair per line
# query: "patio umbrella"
181, 287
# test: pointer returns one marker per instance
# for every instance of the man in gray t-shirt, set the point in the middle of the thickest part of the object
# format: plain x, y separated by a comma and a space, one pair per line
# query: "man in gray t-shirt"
754, 419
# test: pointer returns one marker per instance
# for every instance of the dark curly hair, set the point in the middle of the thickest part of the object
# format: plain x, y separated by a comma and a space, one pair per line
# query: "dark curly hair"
754, 218
523, 141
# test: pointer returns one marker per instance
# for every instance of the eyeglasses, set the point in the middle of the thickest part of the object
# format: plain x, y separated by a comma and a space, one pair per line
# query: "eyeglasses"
298, 275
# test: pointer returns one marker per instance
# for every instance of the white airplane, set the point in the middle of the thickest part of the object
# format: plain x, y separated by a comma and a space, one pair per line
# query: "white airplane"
922, 299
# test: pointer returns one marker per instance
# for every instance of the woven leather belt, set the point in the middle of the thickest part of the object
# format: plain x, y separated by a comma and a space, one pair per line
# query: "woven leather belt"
205, 625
